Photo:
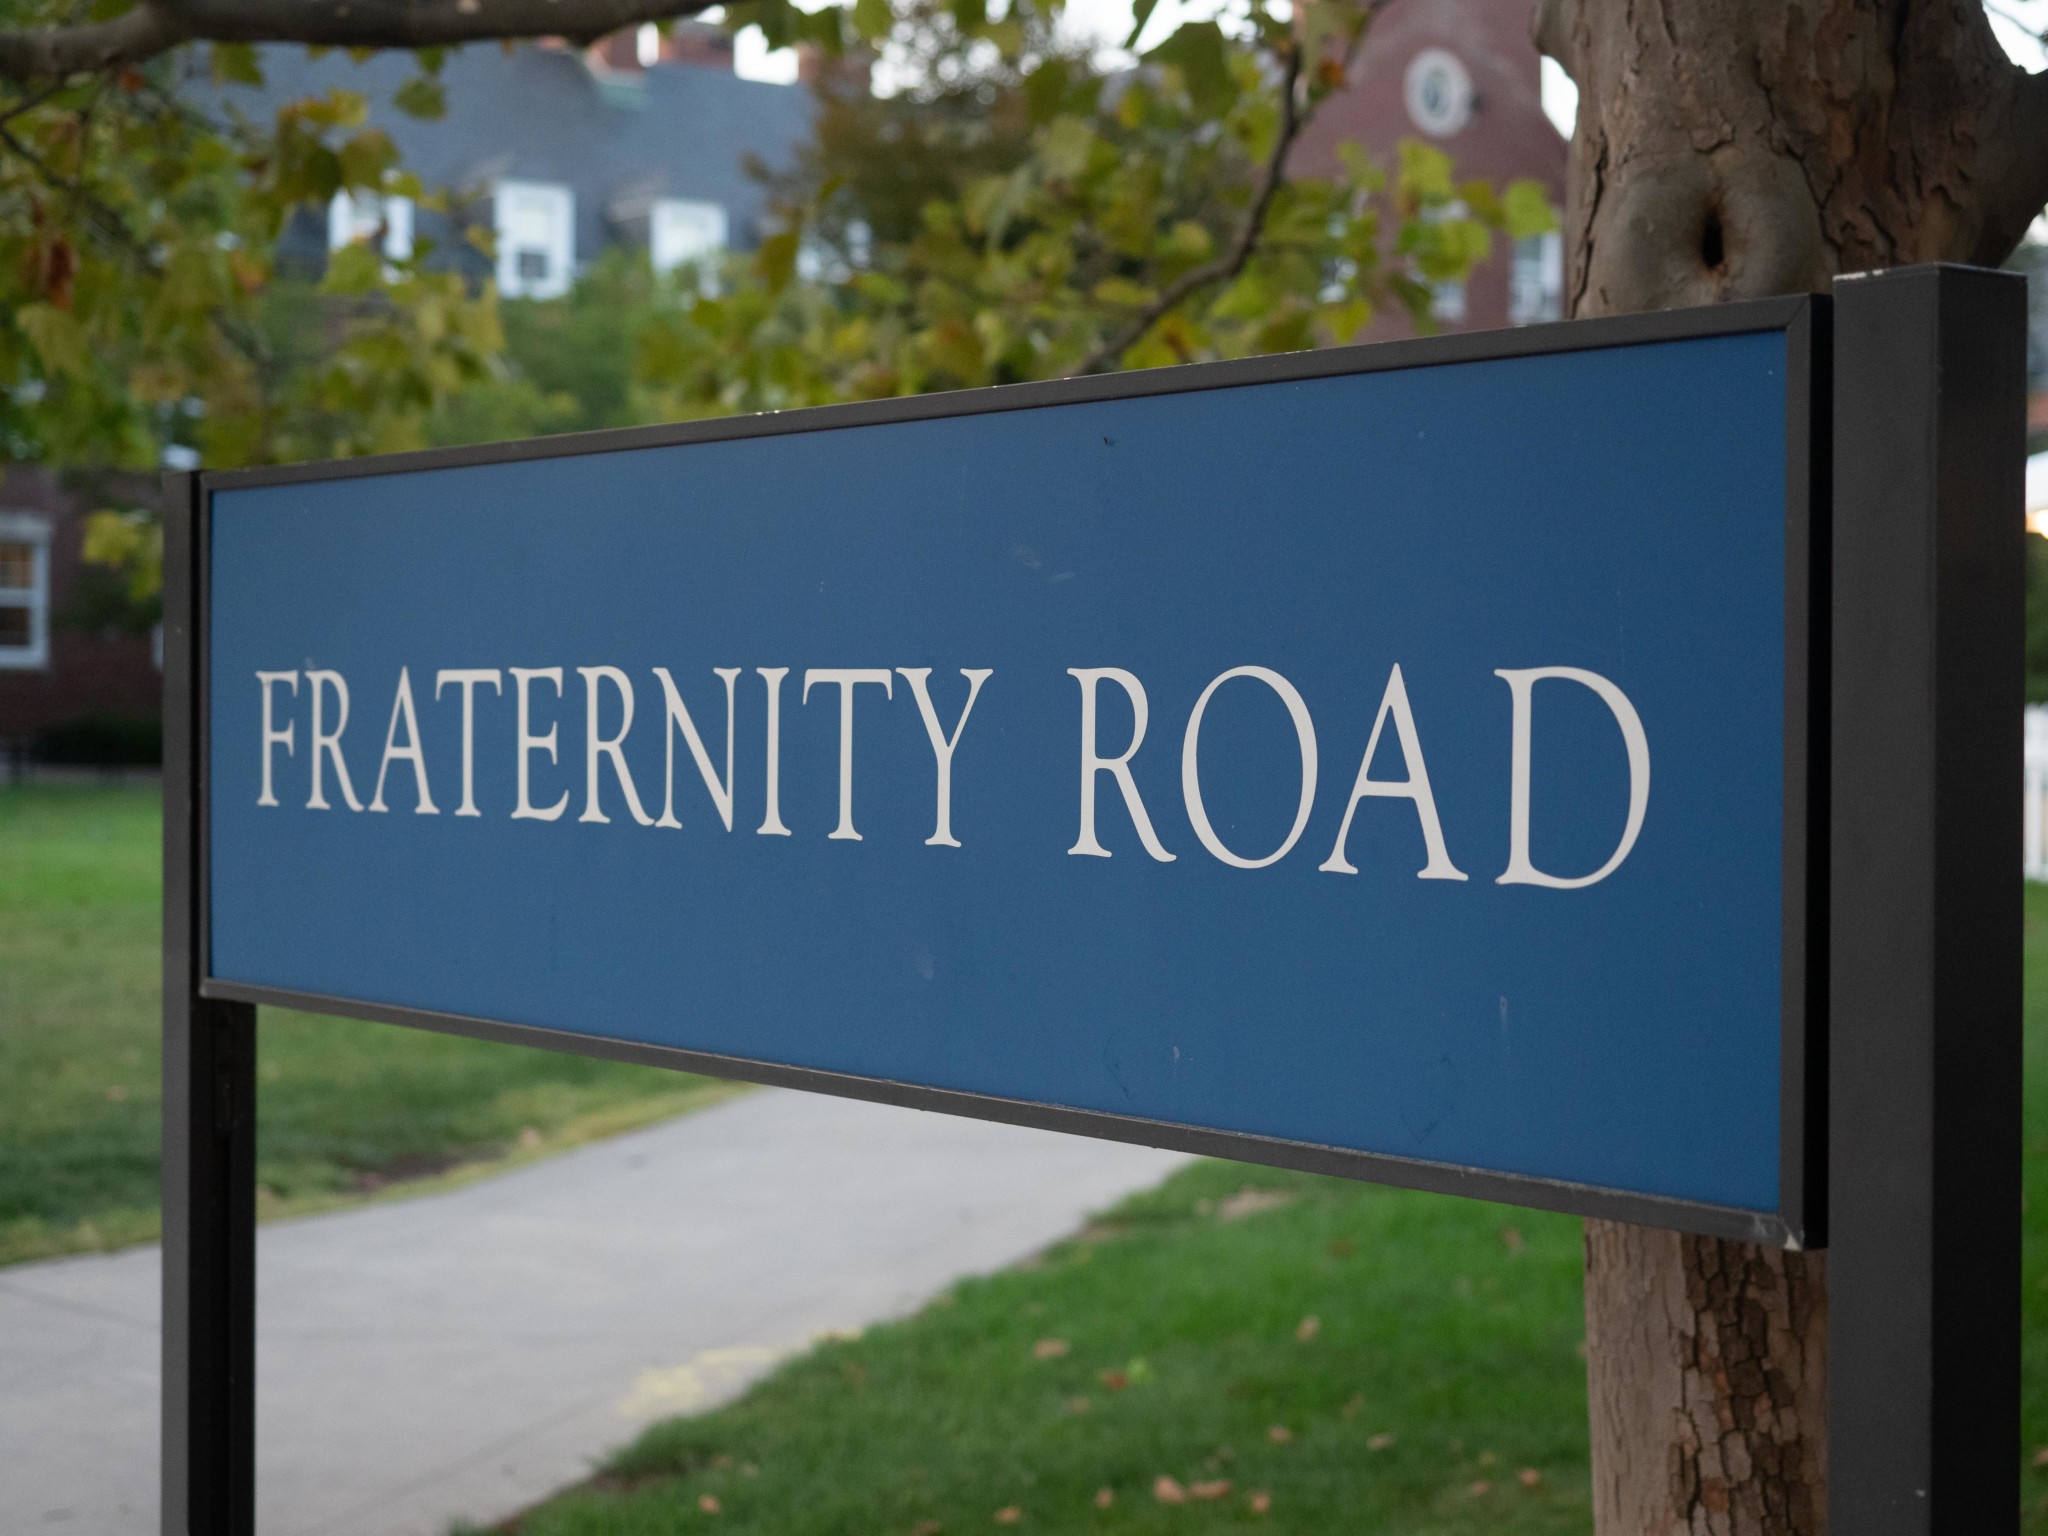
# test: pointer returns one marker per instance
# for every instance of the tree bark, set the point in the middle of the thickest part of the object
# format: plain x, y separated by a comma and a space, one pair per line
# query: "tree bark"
1730, 149
1733, 149
1706, 1383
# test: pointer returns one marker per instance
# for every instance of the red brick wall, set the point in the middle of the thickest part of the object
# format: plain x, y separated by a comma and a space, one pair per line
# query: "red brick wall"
88, 673
1508, 135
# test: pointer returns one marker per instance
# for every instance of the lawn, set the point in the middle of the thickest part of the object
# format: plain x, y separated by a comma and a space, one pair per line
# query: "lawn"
1438, 1390
349, 1110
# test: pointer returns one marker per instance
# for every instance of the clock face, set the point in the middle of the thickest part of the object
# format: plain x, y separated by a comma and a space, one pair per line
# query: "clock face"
1438, 90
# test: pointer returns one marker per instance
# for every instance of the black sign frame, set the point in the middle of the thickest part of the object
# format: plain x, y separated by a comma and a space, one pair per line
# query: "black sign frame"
1841, 658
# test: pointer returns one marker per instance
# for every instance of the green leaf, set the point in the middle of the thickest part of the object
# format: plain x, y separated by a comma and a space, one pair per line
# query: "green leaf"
57, 338
1065, 150
1198, 51
421, 96
366, 157
352, 269
236, 62
872, 19
1426, 172
775, 257
1527, 210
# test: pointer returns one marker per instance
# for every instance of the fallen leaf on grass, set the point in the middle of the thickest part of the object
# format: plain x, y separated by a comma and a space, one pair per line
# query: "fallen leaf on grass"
1340, 1248
1529, 1477
529, 1137
1249, 1202
1279, 1434
116, 1094
1116, 1381
1167, 1491
1077, 1405
2041, 1457
1308, 1328
1049, 1349
926, 1528
708, 1502
1352, 1409
1480, 1489
1260, 1502
1487, 1458
1511, 1239
1379, 1442
1009, 1514
1215, 1488
1104, 1497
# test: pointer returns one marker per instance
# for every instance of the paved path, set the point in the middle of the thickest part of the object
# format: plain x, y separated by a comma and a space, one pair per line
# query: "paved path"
463, 1354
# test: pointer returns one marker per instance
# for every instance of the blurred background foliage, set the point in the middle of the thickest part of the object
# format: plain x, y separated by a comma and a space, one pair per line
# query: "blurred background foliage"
1009, 210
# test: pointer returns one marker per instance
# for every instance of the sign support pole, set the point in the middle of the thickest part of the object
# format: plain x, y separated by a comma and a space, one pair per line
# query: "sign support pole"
1924, 1131
209, 1109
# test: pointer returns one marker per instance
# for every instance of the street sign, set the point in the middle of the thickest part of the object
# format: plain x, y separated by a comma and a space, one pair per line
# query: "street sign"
1390, 760
1574, 766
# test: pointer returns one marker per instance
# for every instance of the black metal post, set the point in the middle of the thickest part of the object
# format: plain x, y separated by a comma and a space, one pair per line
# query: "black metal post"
1924, 1059
209, 1099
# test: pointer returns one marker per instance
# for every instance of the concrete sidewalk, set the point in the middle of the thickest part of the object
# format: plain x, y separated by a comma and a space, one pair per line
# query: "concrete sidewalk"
463, 1354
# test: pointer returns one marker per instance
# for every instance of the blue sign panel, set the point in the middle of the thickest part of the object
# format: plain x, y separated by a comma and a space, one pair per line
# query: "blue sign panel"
1389, 761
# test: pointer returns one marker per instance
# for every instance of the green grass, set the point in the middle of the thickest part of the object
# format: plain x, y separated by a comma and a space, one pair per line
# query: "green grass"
1437, 1328
1452, 1327
348, 1110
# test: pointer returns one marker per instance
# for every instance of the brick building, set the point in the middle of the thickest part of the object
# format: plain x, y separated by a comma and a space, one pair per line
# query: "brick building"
1464, 76
72, 683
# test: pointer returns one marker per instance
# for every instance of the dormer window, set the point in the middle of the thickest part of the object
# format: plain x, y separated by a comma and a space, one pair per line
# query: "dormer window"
535, 223
682, 229
367, 218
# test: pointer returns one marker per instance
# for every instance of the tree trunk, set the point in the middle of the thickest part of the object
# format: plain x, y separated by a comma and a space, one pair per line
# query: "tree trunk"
1732, 149
1706, 1376
1729, 149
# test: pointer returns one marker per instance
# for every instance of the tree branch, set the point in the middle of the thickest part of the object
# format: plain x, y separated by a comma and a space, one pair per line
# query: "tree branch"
1227, 266
1249, 237
155, 26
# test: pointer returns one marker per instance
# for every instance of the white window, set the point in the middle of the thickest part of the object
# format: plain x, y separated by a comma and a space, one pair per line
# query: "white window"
680, 229
24, 590
1447, 301
1536, 280
536, 230
1437, 90
362, 220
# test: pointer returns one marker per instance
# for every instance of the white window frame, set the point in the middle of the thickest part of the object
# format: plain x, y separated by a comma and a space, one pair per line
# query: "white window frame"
556, 206
351, 219
682, 229
1536, 279
33, 530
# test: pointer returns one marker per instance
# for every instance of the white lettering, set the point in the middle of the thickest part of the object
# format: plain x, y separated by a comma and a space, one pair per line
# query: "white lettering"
401, 706
529, 743
1521, 684
942, 744
329, 741
467, 680
771, 824
1119, 768
272, 736
679, 720
847, 679
595, 746
1191, 777
1415, 788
